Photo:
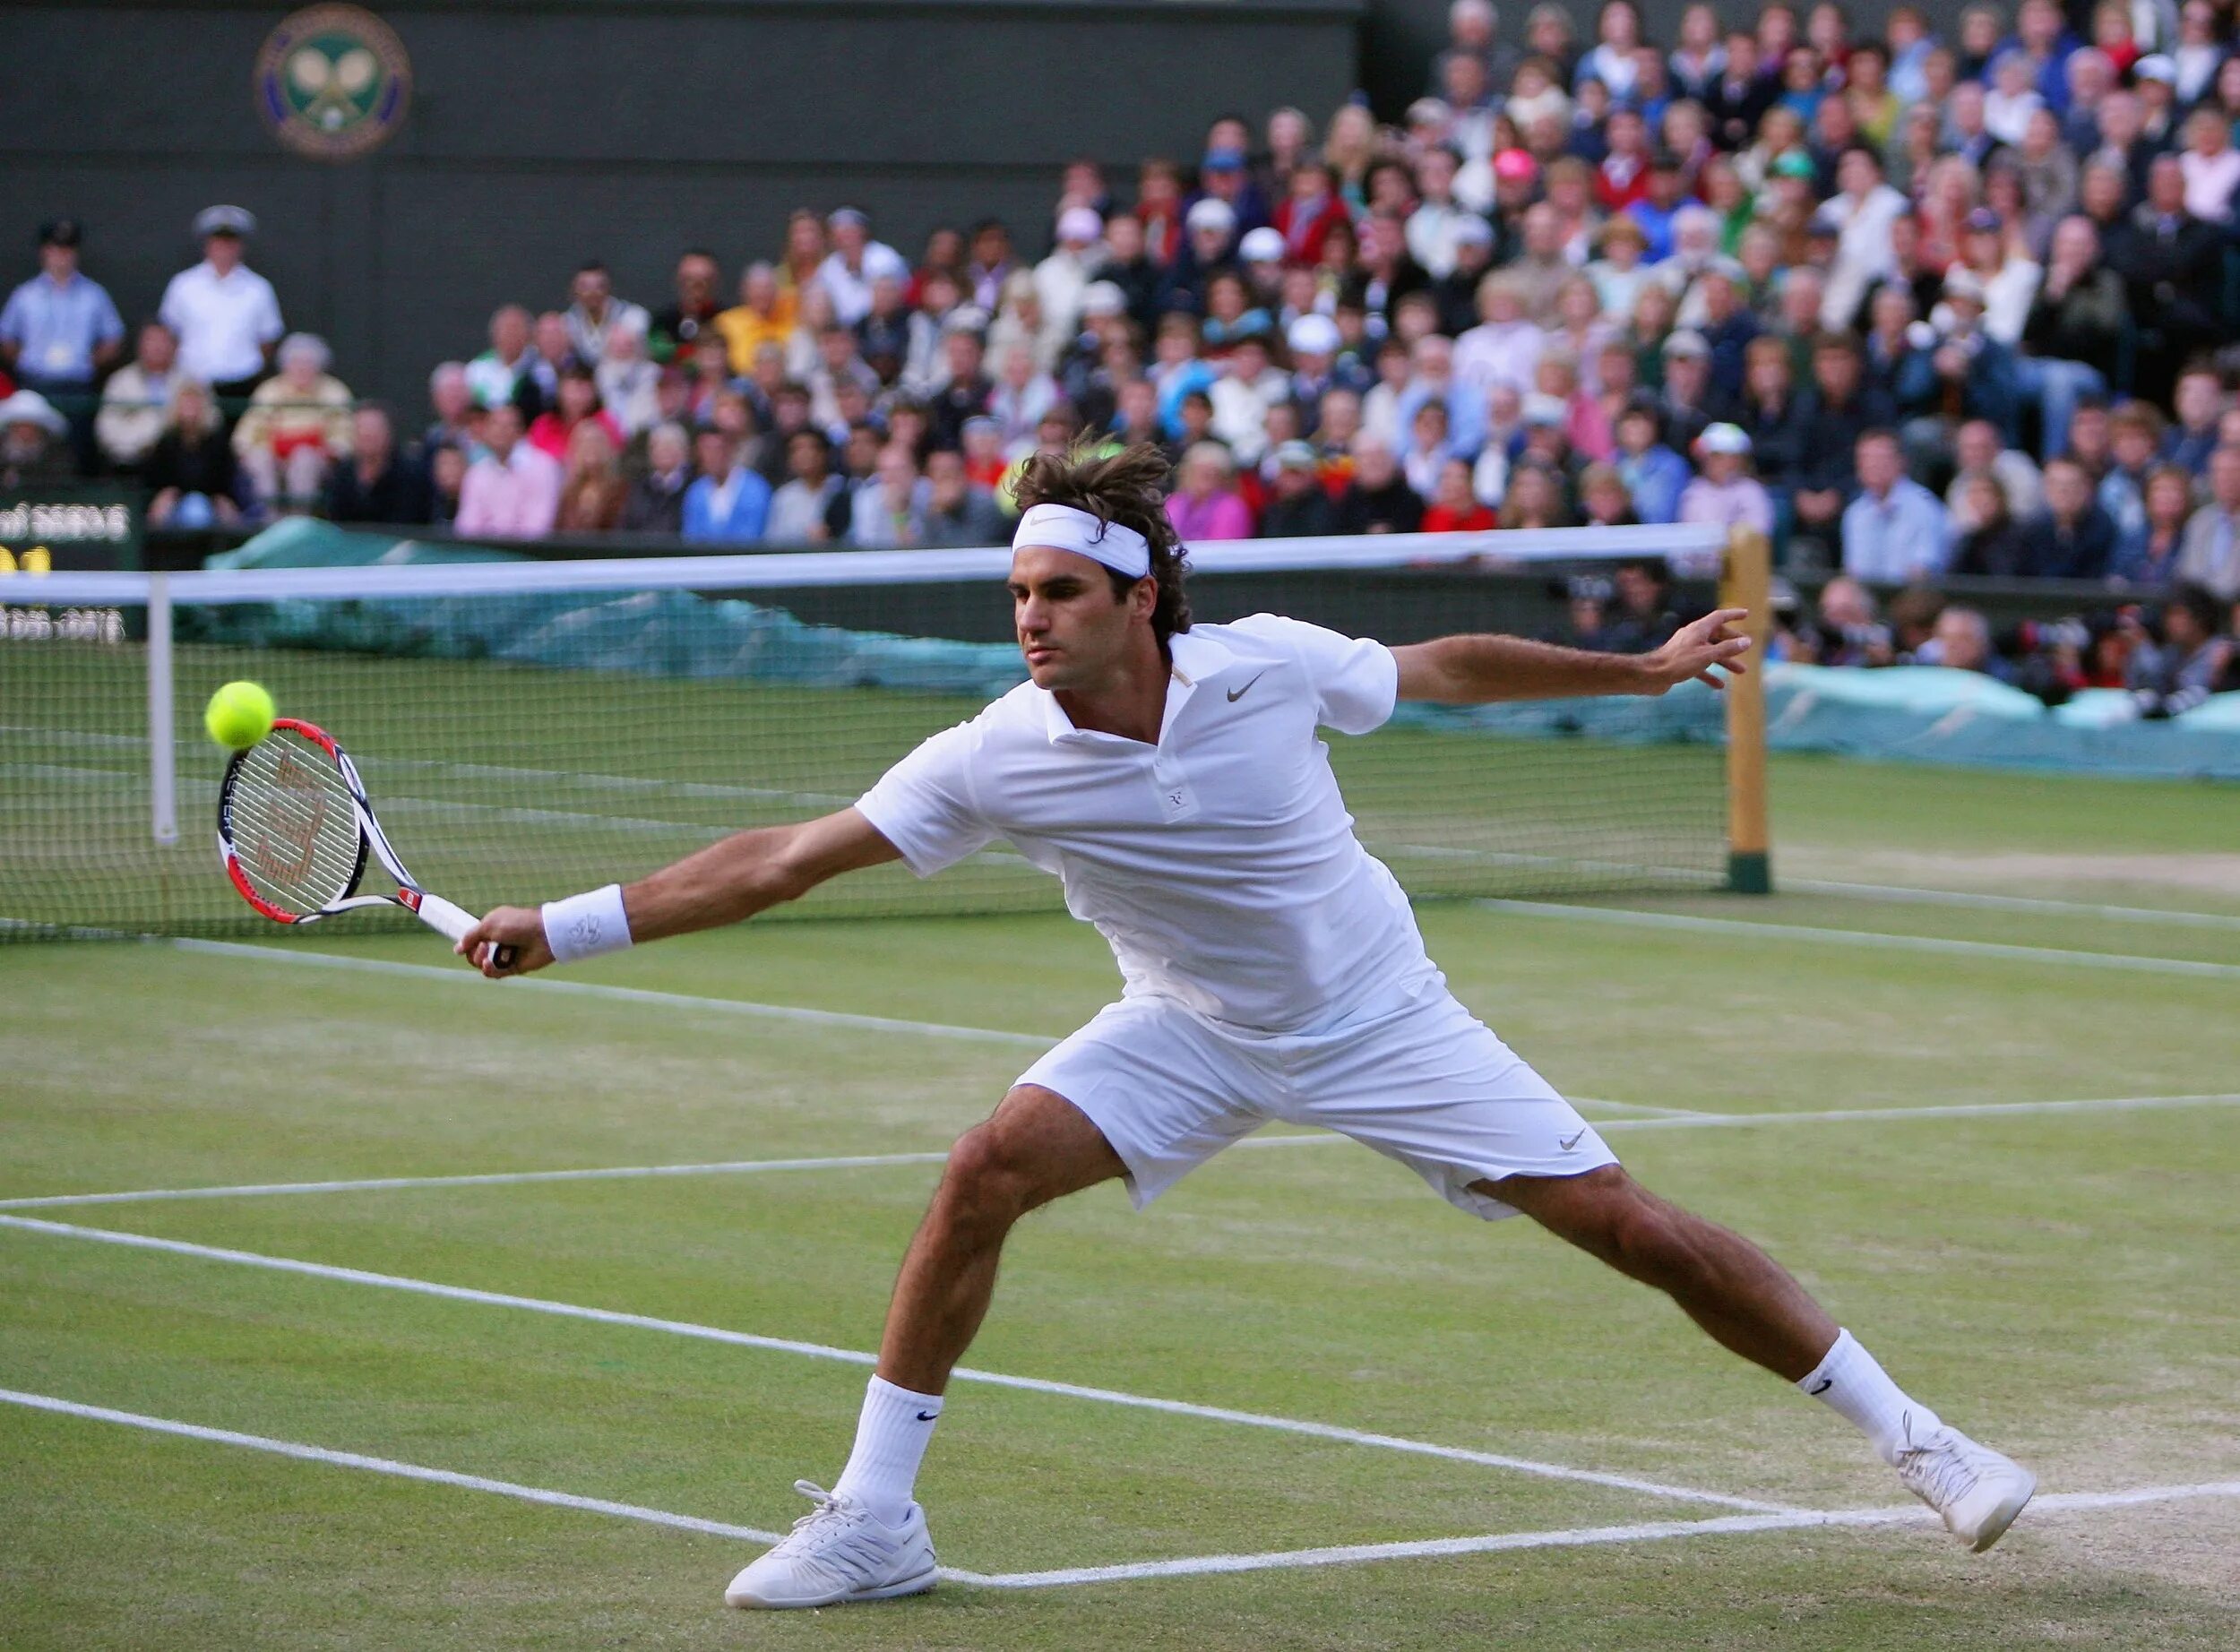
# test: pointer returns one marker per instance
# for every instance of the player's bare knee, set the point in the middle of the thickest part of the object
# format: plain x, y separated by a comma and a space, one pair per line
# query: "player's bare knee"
985, 1184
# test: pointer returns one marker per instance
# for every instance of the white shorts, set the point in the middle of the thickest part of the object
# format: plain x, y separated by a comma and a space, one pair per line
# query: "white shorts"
1415, 1076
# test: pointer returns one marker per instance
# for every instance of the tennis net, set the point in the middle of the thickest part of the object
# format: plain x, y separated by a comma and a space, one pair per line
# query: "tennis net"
528, 728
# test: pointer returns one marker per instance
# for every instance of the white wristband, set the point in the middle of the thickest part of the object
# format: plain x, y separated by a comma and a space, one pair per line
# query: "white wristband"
586, 926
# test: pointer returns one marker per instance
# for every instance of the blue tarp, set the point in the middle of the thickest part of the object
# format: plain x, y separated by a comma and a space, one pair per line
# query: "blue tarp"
1911, 713
1927, 714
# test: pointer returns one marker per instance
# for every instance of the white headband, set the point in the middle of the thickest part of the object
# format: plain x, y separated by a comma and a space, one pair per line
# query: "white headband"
1062, 528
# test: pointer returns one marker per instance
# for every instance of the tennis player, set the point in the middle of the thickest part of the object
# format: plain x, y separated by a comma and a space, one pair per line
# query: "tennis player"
1172, 777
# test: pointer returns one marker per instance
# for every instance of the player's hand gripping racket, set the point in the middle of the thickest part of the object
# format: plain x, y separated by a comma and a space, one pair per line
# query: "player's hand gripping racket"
293, 829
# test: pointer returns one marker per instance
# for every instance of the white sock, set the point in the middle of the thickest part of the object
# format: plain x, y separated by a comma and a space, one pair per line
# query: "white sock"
1849, 1380
891, 1441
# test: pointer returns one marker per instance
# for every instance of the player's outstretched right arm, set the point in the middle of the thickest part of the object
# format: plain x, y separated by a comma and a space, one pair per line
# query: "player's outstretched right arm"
726, 883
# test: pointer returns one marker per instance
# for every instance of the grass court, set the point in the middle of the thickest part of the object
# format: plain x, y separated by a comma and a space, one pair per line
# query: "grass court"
1300, 1403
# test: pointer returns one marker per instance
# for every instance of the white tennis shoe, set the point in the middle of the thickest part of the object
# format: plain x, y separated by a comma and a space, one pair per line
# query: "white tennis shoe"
1977, 1490
838, 1551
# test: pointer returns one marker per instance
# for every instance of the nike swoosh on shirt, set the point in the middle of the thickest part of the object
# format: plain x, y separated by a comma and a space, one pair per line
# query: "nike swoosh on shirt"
1568, 1146
1236, 694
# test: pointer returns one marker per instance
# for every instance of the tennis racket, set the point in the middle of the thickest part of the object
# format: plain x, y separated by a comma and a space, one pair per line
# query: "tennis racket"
294, 829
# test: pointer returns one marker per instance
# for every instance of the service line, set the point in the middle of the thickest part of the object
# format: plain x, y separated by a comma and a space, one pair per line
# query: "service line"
853, 1357
1659, 1118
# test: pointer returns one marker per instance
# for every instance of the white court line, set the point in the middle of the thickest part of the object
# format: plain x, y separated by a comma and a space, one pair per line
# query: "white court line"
1185, 1566
1956, 1110
384, 1466
459, 973
1914, 894
501, 1178
817, 1350
1671, 1118
1633, 918
1649, 1531
617, 1173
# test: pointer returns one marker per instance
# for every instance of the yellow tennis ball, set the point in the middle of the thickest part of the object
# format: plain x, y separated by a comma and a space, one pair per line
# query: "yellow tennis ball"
239, 715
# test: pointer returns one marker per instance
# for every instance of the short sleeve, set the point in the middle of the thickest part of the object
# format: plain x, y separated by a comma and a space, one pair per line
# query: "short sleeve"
924, 805
1356, 680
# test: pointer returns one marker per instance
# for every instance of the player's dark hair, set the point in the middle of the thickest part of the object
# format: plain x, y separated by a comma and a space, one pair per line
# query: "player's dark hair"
1126, 487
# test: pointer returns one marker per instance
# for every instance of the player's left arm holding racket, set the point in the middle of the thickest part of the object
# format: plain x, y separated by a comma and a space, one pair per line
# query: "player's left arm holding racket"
726, 883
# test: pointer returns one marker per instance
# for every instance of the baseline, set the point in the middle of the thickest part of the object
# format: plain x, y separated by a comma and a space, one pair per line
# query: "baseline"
1185, 1566
1631, 917
1647, 1531
1914, 894
853, 1357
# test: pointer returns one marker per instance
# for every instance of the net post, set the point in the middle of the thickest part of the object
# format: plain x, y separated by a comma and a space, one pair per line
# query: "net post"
1747, 581
163, 789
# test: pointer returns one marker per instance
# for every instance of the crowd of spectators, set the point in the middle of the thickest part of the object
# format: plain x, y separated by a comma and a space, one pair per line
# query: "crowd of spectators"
1913, 305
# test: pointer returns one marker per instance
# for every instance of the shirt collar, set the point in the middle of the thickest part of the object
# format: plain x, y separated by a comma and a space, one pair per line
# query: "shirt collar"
1194, 658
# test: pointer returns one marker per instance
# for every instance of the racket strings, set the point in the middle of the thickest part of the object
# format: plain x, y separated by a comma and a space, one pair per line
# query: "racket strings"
294, 828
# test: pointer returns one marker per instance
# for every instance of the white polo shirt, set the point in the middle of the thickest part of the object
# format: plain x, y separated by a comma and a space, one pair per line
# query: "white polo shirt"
1220, 863
223, 322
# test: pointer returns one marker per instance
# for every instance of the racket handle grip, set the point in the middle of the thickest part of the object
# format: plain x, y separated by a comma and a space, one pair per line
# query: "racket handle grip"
439, 914
455, 921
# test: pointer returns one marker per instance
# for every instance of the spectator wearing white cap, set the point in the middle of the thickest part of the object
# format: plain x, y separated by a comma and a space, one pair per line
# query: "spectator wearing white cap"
1726, 494
1689, 403
1298, 505
855, 262
1260, 252
1313, 342
1208, 240
1061, 279
224, 315
31, 450
298, 425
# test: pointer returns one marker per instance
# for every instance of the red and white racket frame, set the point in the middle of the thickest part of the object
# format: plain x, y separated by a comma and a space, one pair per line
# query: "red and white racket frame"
438, 913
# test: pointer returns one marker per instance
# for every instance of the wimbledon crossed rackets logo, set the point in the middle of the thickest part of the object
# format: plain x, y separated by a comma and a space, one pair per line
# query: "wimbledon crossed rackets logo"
333, 82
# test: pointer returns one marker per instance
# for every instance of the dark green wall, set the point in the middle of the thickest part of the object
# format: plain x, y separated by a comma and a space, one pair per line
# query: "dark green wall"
542, 135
